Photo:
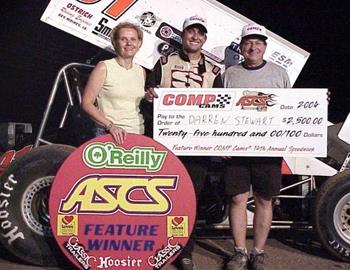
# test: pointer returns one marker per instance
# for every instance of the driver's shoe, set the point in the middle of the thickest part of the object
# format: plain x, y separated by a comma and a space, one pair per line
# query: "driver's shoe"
257, 261
238, 261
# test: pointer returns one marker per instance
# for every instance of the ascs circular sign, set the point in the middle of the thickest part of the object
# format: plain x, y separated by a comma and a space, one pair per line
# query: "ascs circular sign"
130, 206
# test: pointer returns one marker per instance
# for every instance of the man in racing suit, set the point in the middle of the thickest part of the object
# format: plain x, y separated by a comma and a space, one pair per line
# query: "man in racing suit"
185, 69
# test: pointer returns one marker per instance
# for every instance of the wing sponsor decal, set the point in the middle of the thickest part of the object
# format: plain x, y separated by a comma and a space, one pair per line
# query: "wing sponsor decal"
92, 21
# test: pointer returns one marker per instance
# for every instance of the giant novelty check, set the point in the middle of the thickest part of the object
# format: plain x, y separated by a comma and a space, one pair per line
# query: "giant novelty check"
242, 122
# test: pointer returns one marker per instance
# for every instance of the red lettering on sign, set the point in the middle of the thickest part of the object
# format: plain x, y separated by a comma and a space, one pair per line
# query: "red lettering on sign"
252, 101
168, 99
189, 100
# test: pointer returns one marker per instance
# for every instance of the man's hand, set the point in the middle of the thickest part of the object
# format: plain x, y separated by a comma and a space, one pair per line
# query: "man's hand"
150, 94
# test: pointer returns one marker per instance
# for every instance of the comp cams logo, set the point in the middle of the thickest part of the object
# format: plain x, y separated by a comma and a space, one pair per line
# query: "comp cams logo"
254, 100
205, 101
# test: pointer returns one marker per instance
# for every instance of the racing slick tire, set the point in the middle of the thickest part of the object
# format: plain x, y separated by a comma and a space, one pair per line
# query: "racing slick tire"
24, 194
332, 215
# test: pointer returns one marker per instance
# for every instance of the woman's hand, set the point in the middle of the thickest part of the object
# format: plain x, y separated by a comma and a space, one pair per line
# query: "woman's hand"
118, 133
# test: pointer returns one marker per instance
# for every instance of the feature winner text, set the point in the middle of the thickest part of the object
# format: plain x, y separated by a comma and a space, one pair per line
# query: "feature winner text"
110, 237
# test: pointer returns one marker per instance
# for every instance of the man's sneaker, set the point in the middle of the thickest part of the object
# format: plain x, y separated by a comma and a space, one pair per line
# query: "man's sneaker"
186, 263
257, 261
238, 261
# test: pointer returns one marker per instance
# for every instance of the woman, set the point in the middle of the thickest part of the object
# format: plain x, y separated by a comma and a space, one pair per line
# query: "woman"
117, 86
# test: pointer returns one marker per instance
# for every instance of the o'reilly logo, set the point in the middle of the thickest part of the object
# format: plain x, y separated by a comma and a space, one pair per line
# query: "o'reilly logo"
108, 155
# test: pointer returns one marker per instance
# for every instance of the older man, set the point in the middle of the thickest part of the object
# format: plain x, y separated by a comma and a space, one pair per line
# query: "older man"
263, 174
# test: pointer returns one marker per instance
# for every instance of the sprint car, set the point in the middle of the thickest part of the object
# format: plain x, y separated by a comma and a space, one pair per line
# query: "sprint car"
315, 194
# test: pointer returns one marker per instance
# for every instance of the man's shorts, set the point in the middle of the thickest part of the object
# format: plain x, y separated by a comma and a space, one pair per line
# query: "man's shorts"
262, 173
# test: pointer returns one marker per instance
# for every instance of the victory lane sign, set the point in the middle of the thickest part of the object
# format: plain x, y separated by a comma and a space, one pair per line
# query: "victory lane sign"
130, 206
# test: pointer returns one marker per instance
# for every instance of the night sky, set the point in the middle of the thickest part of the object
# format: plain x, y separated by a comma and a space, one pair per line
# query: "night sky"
32, 52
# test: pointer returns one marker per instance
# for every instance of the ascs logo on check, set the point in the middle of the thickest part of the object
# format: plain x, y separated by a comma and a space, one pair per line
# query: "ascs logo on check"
254, 100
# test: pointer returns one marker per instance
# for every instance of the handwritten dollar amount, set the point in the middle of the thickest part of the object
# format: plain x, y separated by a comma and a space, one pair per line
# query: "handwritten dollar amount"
302, 120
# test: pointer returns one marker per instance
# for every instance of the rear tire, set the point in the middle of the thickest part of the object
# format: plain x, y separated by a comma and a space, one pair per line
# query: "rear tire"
24, 191
332, 215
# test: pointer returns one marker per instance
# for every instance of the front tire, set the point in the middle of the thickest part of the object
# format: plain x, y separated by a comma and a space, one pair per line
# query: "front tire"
332, 215
24, 192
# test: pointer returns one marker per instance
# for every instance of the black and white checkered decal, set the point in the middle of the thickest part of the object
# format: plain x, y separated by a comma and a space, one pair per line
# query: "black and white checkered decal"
224, 99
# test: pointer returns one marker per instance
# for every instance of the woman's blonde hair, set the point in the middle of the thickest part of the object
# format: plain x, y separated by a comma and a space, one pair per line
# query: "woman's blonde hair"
116, 30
